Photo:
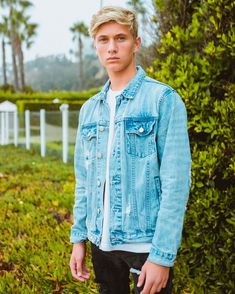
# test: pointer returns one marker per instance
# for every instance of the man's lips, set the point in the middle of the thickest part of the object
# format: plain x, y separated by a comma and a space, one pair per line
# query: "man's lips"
113, 58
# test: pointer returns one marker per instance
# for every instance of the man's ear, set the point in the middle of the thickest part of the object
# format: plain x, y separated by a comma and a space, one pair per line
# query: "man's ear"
137, 44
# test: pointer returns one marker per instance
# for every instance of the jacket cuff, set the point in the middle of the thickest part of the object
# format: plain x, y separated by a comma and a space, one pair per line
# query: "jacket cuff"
159, 257
76, 237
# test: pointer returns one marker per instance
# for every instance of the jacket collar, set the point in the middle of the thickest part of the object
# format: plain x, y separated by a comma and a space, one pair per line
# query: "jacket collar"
132, 87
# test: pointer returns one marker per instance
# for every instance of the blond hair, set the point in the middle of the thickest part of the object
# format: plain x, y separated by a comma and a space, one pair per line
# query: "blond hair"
117, 14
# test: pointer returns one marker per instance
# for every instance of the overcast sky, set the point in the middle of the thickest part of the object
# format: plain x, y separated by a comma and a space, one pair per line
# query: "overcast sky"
54, 18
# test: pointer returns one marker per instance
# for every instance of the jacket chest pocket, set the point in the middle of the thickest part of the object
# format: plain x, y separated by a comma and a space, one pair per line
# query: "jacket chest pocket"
89, 135
139, 136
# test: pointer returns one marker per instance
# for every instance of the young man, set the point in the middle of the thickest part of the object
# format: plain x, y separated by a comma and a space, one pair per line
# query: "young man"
132, 167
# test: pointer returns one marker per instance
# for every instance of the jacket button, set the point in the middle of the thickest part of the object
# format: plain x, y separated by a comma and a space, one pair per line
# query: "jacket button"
101, 128
98, 183
98, 210
99, 155
141, 129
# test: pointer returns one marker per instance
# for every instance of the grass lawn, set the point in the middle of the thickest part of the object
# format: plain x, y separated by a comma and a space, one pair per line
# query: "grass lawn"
36, 200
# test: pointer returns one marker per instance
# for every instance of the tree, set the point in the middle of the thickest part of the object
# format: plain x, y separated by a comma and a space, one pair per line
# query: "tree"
171, 13
139, 7
146, 53
19, 30
195, 55
3, 33
22, 31
80, 29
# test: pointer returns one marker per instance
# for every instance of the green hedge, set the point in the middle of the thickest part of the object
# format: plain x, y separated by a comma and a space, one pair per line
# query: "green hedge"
39, 100
37, 105
197, 62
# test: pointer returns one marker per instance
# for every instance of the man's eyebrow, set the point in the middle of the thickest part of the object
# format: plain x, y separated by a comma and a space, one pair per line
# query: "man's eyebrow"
102, 36
117, 35
121, 35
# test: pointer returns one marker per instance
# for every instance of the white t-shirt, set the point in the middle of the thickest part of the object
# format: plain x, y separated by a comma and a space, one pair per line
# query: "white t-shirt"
105, 241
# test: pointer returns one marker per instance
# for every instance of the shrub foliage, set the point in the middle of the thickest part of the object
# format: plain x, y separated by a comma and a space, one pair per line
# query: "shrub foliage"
196, 57
36, 198
44, 100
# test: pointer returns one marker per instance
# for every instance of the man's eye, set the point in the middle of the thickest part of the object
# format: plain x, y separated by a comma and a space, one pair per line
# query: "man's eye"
121, 38
103, 40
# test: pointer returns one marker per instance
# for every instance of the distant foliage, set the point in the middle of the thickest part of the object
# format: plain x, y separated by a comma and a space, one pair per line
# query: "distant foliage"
7, 88
196, 57
39, 100
57, 72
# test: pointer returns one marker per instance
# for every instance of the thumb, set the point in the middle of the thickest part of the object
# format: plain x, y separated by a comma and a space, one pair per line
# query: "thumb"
141, 279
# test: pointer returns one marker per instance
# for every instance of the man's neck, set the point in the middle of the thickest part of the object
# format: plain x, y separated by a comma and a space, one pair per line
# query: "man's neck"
120, 79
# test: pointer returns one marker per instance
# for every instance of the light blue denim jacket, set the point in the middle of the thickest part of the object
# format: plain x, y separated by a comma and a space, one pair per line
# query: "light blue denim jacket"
150, 168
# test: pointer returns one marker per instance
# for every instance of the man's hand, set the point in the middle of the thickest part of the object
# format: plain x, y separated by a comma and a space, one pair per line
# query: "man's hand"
77, 262
155, 277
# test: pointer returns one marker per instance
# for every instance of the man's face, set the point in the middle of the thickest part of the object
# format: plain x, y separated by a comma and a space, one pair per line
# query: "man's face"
115, 46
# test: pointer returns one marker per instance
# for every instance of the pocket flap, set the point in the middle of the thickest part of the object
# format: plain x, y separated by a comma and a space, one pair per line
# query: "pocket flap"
89, 131
140, 127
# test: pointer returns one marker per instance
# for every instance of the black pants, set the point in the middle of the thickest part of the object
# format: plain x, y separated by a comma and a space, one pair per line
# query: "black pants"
112, 270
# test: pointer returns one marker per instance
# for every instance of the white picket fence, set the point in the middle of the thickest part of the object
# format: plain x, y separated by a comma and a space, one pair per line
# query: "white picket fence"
36, 122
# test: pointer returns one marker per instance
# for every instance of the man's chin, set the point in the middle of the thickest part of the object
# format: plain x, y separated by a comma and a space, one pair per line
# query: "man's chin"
114, 67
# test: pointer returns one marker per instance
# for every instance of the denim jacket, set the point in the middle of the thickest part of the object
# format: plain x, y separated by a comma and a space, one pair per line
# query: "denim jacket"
150, 168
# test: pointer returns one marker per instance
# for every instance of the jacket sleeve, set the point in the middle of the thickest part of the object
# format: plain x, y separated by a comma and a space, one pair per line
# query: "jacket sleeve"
175, 178
78, 229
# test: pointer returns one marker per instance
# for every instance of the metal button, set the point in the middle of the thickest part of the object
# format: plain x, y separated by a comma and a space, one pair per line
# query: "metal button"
101, 128
99, 155
98, 210
98, 183
141, 129
88, 134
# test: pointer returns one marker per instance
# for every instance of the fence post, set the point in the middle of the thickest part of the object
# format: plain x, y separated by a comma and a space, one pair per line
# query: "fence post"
16, 128
6, 127
65, 128
27, 129
43, 132
2, 128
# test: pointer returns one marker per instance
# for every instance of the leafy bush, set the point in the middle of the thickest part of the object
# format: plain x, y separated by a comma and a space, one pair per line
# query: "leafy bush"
36, 199
38, 100
7, 88
196, 59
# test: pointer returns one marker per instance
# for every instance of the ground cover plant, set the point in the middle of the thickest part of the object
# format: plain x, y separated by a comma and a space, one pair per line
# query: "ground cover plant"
36, 198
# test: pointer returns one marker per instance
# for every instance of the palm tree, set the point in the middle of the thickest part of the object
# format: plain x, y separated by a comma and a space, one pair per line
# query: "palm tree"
19, 30
24, 33
26, 36
3, 33
11, 35
80, 29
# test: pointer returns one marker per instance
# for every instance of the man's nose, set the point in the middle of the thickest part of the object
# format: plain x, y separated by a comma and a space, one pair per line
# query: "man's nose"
112, 48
